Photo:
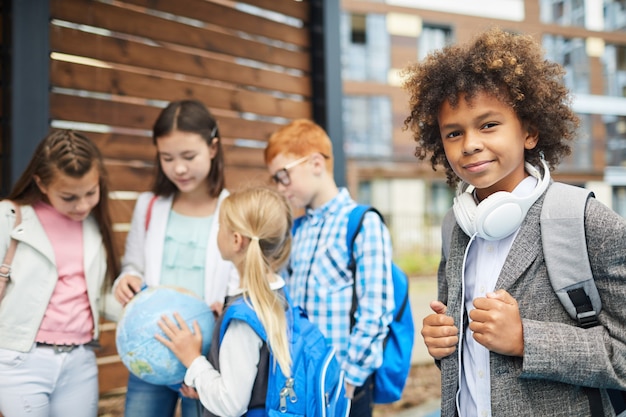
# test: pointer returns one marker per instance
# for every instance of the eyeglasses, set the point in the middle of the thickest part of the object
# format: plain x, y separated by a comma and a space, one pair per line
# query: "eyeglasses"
282, 175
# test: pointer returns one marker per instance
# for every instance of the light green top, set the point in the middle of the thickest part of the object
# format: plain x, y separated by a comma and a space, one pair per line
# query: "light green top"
184, 252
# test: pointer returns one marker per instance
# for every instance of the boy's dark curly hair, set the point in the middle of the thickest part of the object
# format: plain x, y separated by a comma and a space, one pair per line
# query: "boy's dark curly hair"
510, 66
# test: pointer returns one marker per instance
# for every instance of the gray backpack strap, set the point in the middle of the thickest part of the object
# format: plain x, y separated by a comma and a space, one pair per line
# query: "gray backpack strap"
446, 233
565, 252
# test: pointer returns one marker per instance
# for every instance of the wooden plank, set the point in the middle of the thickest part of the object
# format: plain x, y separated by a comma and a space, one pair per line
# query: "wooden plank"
133, 149
121, 210
107, 342
112, 376
124, 147
297, 9
240, 163
127, 146
235, 127
129, 177
153, 86
244, 177
119, 239
237, 157
209, 39
162, 58
113, 113
230, 18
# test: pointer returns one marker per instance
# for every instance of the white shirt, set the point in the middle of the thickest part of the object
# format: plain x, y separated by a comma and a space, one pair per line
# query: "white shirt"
482, 269
228, 392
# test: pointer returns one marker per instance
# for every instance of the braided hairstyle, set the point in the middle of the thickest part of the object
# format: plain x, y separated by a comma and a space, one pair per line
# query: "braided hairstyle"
72, 154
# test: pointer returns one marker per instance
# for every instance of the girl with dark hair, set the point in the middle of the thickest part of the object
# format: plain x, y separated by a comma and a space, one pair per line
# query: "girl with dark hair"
173, 235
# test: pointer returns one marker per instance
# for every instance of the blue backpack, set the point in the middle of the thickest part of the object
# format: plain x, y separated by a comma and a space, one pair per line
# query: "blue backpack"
390, 378
316, 387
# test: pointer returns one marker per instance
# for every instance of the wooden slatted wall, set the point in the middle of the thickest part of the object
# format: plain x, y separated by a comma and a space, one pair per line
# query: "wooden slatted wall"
115, 64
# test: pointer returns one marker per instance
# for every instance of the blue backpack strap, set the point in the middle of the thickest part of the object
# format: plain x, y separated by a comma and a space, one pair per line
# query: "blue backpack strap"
355, 223
240, 310
296, 224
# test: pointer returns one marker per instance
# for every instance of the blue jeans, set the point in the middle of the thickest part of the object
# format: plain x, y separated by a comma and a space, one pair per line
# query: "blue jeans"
148, 400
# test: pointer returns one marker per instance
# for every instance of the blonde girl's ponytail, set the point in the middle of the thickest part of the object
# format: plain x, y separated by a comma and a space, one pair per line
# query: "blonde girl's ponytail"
264, 216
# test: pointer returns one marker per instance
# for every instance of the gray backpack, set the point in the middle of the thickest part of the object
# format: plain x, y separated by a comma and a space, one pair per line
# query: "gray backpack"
565, 251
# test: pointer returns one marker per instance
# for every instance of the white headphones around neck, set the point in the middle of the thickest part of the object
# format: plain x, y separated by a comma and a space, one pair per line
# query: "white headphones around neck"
500, 214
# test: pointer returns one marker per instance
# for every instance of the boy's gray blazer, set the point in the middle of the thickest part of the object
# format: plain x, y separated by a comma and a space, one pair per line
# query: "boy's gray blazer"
560, 358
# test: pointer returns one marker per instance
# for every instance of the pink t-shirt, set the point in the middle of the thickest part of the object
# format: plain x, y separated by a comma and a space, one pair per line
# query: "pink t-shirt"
68, 318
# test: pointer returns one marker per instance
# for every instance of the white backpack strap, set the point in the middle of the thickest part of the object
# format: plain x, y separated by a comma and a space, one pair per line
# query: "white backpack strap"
565, 252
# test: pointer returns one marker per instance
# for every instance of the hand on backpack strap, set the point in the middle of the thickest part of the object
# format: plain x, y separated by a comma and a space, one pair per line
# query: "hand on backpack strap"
497, 324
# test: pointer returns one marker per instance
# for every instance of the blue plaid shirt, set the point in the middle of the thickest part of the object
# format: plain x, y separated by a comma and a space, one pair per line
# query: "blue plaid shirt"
321, 283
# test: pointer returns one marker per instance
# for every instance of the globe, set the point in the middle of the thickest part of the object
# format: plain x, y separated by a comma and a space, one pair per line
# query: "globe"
140, 351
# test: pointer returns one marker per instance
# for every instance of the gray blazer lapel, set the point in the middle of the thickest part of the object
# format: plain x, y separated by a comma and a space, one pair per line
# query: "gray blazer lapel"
454, 266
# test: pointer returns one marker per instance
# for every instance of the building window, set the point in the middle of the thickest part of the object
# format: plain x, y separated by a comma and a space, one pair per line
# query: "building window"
432, 38
357, 29
440, 201
365, 47
572, 55
563, 12
614, 69
614, 12
581, 158
367, 126
365, 192
619, 200
615, 127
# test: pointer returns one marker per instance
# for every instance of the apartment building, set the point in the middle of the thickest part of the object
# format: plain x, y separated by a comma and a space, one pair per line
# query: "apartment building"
379, 38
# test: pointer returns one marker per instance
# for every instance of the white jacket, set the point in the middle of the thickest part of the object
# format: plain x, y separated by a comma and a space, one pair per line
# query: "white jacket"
143, 256
34, 275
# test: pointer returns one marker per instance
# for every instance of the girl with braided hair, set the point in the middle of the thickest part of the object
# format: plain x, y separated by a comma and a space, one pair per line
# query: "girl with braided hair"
64, 253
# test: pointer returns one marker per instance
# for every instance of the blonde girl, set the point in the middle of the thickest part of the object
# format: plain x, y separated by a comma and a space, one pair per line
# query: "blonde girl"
50, 312
255, 234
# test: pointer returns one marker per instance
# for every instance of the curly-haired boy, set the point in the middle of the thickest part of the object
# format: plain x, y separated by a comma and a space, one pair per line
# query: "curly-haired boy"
496, 114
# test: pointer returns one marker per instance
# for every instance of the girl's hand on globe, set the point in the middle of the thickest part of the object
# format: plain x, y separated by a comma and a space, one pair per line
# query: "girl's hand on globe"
126, 289
184, 343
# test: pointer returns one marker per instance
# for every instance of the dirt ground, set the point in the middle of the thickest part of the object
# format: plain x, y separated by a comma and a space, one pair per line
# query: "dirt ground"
423, 384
